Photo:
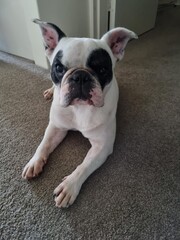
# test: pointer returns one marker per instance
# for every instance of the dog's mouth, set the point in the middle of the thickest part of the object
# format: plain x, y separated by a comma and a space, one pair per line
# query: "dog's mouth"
94, 98
78, 101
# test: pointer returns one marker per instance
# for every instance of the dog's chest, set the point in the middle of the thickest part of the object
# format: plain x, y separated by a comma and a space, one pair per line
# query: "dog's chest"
81, 118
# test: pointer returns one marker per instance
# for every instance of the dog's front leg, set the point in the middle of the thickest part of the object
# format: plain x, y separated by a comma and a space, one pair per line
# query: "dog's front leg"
52, 137
48, 94
67, 191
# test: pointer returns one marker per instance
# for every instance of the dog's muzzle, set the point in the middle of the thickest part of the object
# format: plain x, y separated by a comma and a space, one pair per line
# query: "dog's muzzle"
80, 86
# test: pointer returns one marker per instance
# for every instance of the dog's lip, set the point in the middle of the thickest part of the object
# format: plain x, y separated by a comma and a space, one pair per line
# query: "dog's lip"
88, 101
83, 102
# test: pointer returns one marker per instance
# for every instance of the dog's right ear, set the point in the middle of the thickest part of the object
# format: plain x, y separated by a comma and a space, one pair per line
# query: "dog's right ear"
51, 35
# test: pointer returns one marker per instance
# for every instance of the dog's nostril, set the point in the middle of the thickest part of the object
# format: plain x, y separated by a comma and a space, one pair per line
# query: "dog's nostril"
86, 79
77, 79
81, 77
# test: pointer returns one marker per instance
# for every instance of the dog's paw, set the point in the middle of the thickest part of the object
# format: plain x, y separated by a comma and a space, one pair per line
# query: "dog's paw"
33, 168
66, 192
48, 94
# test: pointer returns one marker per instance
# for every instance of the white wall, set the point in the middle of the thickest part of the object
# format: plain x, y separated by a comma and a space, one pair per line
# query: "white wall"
20, 36
72, 16
13, 30
31, 11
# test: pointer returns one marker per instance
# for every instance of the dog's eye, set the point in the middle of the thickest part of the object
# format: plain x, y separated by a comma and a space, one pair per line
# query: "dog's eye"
59, 68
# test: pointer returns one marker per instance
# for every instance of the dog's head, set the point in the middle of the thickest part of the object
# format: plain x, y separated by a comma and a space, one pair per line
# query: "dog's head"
82, 68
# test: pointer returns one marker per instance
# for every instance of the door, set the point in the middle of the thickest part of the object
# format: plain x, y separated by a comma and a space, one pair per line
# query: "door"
137, 15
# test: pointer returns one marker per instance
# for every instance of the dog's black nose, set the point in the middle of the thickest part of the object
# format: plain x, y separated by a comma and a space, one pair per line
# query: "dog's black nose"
80, 84
81, 77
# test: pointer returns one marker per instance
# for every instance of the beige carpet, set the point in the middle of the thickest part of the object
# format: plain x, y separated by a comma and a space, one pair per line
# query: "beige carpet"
135, 195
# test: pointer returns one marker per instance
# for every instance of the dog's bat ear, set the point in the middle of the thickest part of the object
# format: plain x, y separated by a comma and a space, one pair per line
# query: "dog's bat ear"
51, 35
117, 40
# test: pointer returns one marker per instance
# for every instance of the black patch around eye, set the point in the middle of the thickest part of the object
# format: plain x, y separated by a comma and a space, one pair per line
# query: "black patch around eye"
58, 69
100, 63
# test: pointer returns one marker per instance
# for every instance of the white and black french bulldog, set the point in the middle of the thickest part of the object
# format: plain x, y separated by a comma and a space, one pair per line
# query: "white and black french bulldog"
85, 97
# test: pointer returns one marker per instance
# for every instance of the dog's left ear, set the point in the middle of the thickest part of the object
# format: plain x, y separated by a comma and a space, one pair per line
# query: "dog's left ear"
117, 40
51, 35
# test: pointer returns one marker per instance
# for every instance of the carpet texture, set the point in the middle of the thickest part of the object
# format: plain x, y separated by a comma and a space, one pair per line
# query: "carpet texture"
136, 194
